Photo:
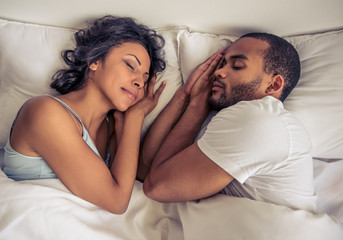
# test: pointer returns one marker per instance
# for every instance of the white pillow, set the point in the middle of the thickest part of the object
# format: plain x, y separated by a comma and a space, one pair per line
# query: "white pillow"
171, 74
317, 101
30, 54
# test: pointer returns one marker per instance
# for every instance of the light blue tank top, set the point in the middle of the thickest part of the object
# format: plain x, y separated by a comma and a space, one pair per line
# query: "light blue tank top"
21, 167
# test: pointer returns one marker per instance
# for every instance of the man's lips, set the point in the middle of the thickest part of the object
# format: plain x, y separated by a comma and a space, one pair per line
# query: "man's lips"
217, 85
130, 94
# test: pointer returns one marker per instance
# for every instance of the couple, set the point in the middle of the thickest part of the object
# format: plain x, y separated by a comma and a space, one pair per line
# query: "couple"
252, 147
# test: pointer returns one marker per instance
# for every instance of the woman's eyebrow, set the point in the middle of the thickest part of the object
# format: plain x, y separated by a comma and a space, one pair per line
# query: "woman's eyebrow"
139, 62
136, 58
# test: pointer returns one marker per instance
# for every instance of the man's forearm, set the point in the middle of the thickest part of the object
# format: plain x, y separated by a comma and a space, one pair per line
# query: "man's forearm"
183, 134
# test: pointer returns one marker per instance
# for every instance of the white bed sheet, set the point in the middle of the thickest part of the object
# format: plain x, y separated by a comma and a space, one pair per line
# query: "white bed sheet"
328, 182
1, 158
45, 209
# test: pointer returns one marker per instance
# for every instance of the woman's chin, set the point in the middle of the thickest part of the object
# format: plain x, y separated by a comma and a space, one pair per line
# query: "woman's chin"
122, 108
125, 105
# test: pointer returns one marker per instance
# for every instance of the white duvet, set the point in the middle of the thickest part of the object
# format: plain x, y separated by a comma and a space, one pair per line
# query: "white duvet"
45, 209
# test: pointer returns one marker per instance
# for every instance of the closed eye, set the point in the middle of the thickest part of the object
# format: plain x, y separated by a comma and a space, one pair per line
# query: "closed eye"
238, 61
238, 65
237, 68
130, 66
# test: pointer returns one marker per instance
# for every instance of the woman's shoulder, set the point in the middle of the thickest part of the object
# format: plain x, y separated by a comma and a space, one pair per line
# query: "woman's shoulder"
38, 116
42, 104
41, 109
40, 101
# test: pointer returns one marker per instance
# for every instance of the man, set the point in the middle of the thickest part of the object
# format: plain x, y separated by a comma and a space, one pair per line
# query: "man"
252, 148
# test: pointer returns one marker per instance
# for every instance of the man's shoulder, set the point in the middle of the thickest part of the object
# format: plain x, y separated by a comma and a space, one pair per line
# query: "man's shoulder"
260, 108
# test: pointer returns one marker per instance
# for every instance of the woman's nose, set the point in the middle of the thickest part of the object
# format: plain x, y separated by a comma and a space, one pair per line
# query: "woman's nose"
139, 83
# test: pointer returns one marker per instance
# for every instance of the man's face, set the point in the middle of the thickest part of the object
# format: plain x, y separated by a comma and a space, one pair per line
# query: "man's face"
241, 76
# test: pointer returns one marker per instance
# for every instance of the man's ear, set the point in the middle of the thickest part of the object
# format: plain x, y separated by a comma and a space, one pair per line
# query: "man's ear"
276, 86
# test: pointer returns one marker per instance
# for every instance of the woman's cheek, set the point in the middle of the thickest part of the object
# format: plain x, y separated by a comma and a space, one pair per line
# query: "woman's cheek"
141, 94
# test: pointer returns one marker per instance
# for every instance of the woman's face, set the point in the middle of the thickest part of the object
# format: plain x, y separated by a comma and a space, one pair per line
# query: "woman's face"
122, 75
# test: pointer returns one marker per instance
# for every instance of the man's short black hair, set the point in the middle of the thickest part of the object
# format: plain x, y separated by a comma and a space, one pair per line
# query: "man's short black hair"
280, 58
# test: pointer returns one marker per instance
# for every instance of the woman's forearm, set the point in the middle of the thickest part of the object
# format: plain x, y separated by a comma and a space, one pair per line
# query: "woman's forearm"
124, 166
159, 131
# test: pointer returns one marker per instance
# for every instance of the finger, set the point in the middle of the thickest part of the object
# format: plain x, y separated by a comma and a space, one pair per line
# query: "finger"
201, 69
151, 85
213, 65
160, 90
214, 57
203, 66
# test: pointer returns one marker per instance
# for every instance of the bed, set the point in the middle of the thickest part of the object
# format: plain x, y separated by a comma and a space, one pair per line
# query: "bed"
44, 209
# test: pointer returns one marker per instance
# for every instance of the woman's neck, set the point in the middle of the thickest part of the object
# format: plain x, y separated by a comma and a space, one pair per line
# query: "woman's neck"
89, 106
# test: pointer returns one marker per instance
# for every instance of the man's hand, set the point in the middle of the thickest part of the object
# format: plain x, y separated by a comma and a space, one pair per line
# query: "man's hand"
203, 71
201, 90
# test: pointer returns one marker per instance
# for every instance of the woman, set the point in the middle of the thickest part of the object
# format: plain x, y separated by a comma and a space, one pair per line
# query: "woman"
82, 136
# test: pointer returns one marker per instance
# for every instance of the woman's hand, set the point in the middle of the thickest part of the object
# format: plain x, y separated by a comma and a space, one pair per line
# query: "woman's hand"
150, 100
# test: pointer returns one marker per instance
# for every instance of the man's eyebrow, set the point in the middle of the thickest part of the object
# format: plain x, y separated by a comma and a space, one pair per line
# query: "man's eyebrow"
139, 62
239, 56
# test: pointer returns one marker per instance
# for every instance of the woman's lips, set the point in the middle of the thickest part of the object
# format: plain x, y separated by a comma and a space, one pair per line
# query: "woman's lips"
130, 94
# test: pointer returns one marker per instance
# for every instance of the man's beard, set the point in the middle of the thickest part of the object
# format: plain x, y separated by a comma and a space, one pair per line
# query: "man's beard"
240, 92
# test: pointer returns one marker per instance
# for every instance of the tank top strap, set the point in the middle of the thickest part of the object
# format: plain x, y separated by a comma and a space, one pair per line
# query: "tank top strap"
69, 108
108, 152
88, 140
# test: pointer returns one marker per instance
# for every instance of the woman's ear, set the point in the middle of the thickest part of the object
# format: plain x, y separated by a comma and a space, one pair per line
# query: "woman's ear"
94, 66
276, 86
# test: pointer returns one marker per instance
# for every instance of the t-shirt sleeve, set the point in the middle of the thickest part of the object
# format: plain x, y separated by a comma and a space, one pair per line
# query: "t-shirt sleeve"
245, 139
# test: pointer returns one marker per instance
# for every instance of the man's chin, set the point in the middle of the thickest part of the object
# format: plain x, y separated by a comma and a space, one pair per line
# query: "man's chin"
221, 102
215, 97
214, 104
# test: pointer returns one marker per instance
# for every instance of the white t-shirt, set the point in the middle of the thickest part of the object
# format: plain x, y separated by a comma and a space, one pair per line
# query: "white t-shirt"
266, 150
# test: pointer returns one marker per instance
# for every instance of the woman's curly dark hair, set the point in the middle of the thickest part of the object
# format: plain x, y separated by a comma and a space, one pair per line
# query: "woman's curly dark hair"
94, 43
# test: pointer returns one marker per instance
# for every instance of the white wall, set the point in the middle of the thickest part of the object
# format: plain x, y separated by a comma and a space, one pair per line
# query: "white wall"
282, 17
